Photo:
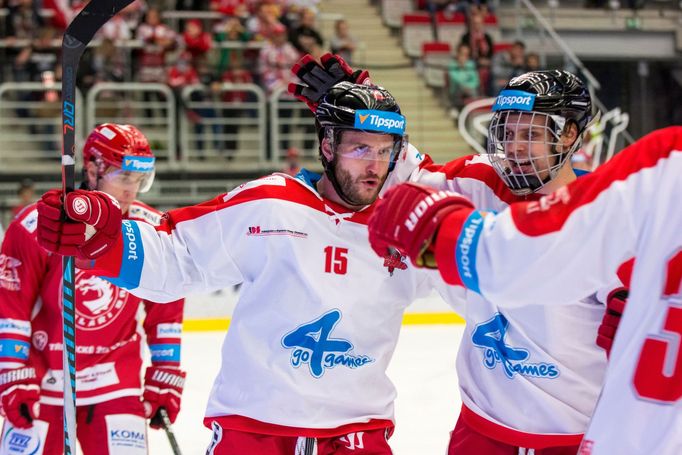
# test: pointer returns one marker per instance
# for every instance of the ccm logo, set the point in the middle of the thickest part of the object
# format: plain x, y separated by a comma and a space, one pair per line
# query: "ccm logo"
423, 205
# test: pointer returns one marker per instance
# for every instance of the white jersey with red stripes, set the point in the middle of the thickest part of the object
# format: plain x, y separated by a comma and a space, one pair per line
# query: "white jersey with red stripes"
318, 315
520, 380
567, 245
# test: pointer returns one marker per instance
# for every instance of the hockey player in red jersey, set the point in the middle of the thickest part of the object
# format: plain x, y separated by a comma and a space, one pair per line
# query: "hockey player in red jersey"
627, 208
111, 406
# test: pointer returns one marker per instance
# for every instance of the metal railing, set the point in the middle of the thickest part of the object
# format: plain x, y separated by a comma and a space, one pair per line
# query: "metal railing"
150, 107
30, 126
291, 125
223, 123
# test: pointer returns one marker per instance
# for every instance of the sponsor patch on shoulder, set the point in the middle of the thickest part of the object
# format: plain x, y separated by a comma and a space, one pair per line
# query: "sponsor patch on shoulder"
274, 180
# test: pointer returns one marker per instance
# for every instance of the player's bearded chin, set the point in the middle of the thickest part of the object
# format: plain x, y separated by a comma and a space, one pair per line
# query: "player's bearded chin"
351, 186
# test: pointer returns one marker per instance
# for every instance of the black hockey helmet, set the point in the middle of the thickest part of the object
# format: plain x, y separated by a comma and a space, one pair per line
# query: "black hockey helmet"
367, 108
556, 96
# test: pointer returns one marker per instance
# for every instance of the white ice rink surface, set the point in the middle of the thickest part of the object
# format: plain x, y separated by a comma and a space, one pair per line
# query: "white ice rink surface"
423, 370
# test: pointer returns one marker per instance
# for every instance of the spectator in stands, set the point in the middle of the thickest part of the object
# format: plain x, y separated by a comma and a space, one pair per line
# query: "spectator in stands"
26, 194
230, 29
343, 43
117, 29
305, 37
263, 22
509, 64
230, 8
532, 61
276, 59
61, 12
292, 165
463, 81
23, 22
158, 39
481, 45
197, 42
107, 63
238, 74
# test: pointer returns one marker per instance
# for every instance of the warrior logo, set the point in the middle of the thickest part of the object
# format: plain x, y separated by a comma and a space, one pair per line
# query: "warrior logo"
490, 337
99, 302
312, 344
9, 276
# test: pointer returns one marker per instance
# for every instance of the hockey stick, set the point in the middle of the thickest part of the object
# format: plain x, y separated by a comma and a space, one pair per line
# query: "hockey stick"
166, 423
76, 37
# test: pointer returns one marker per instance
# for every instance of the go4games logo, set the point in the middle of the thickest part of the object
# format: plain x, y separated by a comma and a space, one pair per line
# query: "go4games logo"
312, 344
490, 337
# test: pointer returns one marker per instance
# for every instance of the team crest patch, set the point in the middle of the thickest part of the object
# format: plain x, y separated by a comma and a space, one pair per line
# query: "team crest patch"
9, 275
490, 335
99, 301
394, 261
312, 344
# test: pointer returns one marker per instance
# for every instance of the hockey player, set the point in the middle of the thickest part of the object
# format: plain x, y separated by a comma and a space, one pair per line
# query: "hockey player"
304, 362
517, 359
564, 246
111, 408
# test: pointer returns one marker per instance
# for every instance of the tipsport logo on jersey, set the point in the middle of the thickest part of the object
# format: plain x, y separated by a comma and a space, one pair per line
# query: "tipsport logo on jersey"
490, 337
312, 344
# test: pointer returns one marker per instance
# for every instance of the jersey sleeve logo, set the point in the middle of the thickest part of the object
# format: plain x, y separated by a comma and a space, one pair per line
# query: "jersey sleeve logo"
490, 337
312, 345
9, 273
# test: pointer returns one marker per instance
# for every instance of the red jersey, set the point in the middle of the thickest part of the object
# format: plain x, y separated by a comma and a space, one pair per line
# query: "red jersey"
108, 337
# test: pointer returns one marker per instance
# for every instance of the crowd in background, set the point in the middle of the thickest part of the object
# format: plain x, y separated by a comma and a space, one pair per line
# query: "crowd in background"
141, 45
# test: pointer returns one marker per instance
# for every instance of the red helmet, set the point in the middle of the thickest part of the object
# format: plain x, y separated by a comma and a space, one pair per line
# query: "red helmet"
120, 146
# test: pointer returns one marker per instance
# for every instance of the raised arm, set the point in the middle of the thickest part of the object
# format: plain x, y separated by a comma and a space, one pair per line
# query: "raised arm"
560, 248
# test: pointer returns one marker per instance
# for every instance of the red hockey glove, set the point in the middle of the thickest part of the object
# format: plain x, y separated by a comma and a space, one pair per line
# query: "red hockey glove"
615, 305
320, 78
20, 396
162, 389
93, 225
407, 219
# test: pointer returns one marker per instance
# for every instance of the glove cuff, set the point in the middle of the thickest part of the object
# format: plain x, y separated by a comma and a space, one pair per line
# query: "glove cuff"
26, 375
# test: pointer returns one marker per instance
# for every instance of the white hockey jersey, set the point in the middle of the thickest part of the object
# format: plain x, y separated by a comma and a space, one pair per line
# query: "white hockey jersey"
528, 376
319, 313
570, 243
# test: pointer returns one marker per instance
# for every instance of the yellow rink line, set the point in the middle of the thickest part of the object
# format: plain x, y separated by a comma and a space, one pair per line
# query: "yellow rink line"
205, 325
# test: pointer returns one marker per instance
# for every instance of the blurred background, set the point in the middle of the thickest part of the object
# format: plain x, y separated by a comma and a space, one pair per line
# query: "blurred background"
206, 80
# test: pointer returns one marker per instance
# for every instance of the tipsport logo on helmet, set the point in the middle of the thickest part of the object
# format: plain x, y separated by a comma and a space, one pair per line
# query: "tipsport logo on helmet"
514, 100
381, 121
138, 163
